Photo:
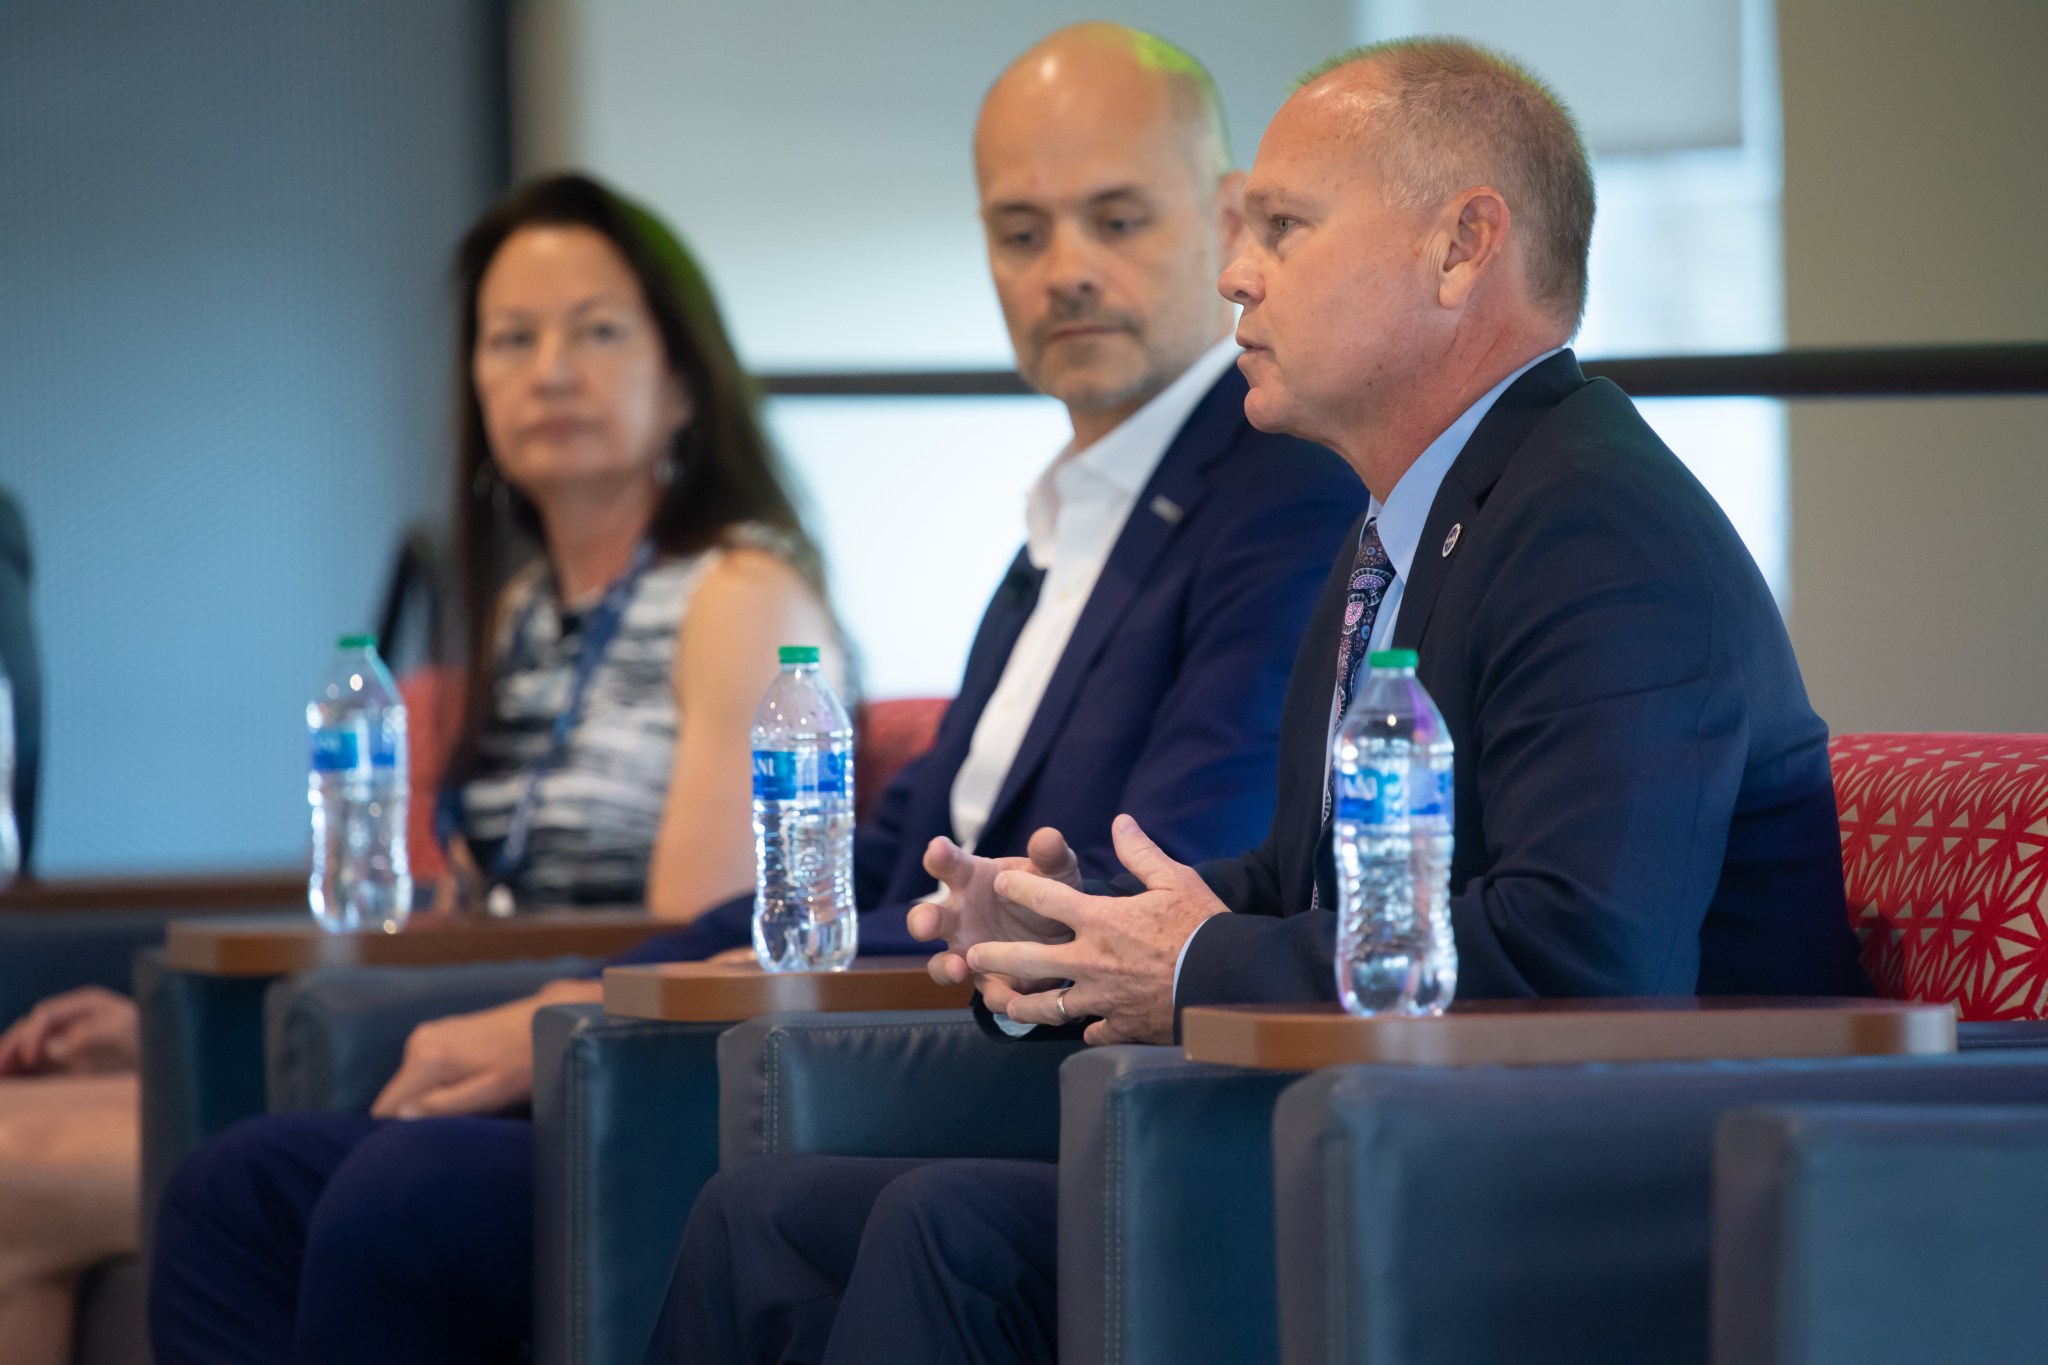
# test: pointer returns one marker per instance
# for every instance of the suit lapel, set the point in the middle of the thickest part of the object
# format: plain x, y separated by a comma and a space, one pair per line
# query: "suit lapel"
1001, 624
1470, 478
1168, 498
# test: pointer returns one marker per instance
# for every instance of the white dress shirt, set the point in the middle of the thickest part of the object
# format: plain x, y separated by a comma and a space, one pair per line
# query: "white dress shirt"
1400, 520
1073, 515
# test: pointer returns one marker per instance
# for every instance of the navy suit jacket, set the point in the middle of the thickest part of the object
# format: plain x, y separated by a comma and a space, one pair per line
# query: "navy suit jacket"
1644, 805
1166, 702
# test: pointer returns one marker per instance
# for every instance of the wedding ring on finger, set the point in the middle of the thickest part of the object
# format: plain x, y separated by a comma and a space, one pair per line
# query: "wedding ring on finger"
1060, 1000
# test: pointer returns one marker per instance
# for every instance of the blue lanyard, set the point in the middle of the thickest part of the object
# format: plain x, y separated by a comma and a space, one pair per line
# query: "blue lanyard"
598, 629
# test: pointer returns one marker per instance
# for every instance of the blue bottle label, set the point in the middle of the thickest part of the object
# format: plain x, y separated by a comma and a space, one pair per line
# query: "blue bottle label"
780, 775
334, 750
383, 747
1369, 796
1432, 796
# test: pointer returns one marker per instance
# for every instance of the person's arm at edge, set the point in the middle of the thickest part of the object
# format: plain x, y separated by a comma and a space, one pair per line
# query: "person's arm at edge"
748, 604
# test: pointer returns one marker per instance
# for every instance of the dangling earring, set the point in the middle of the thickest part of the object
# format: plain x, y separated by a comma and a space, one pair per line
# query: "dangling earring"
665, 469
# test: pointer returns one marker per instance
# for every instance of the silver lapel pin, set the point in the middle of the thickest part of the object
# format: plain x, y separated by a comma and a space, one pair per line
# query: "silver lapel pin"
1451, 540
1166, 509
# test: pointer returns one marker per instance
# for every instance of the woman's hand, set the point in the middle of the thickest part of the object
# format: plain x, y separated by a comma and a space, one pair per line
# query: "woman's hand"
91, 1029
478, 1063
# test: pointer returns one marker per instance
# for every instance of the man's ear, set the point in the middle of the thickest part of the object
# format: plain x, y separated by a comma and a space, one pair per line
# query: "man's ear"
1476, 225
1230, 213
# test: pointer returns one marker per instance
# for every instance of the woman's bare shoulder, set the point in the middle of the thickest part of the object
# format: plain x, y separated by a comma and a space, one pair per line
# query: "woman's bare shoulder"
744, 574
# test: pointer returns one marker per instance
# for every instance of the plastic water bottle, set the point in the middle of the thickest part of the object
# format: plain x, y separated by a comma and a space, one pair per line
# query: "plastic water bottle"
10, 833
356, 785
1392, 816
804, 915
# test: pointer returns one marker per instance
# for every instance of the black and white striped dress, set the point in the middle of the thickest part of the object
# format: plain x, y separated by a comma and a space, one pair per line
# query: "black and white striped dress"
599, 808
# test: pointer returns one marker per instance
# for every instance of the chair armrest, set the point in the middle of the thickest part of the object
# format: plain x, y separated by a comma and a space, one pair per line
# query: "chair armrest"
334, 1036
1552, 1212
1166, 1209
625, 1116
1853, 1233
202, 1062
1983, 1035
924, 1083
45, 952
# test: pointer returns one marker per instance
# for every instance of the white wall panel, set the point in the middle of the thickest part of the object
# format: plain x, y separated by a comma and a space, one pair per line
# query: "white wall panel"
817, 153
225, 358
1642, 75
1916, 181
817, 156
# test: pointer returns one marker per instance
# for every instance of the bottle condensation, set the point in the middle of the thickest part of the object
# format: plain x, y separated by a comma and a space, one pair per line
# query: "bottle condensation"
804, 914
1393, 835
356, 785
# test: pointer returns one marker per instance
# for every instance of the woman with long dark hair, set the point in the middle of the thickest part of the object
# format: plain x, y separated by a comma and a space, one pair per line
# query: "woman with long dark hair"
629, 559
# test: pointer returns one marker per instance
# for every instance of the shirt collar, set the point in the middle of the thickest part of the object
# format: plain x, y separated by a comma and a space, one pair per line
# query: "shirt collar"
1125, 457
1401, 517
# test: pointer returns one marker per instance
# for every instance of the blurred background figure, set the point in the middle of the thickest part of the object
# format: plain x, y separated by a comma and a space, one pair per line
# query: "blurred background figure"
22, 672
608, 425
69, 1143
613, 487
68, 1138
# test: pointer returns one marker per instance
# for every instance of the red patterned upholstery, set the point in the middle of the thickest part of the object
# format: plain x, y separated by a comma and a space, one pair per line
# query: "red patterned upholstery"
891, 734
1945, 858
433, 708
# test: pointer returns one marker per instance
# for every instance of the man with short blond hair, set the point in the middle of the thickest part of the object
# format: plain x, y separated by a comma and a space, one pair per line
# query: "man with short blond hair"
1643, 800
1445, 115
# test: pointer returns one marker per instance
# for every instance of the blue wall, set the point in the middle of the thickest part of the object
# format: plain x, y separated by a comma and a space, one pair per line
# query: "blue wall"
225, 360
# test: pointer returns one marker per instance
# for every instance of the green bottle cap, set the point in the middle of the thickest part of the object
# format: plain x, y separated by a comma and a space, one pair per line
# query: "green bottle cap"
797, 654
358, 642
1391, 658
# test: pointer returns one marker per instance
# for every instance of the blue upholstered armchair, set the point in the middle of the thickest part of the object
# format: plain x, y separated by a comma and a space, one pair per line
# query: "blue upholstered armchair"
625, 1118
1165, 1177
631, 1120
1539, 1214
625, 1114
1849, 1234
218, 1049
1361, 1214
1168, 1179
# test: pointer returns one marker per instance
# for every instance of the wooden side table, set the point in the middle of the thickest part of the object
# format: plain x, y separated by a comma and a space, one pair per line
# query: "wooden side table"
1563, 1032
216, 894
275, 945
721, 992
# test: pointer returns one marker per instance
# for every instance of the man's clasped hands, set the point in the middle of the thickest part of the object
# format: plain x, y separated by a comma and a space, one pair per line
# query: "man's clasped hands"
1041, 950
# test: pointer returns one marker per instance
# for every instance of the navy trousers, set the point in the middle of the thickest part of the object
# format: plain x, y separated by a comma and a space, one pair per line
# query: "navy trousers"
815, 1260
334, 1237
